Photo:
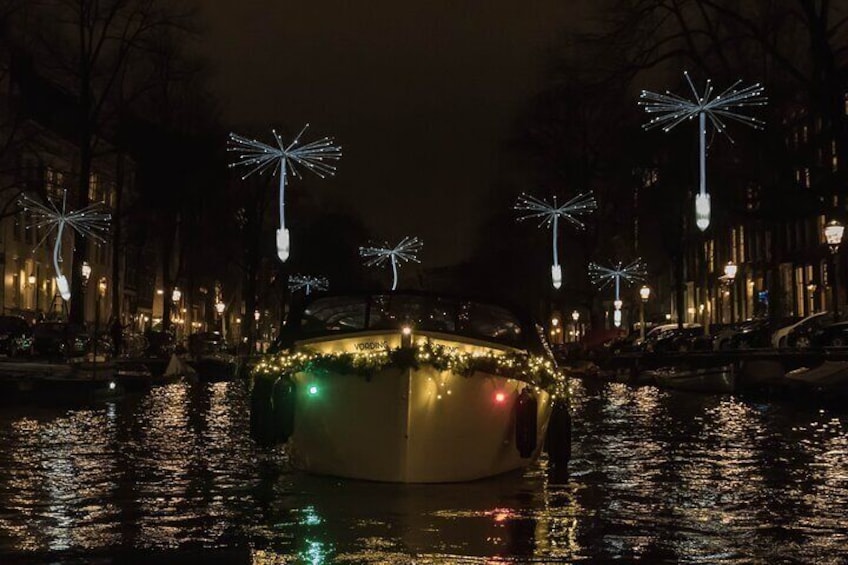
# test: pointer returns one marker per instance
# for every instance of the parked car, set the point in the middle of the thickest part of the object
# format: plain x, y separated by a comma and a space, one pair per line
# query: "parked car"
59, 339
800, 333
15, 335
750, 333
834, 335
669, 337
655, 332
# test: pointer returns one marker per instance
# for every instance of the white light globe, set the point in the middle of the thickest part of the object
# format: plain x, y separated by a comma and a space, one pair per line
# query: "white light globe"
283, 244
556, 275
64, 288
702, 211
616, 318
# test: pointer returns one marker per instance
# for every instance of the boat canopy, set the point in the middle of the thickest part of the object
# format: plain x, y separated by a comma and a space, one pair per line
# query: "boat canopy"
328, 315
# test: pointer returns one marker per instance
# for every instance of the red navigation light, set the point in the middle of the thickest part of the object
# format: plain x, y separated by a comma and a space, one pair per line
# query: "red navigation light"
500, 397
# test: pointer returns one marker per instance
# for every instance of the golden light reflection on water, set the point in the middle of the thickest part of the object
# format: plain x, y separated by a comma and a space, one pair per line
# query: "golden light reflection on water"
656, 476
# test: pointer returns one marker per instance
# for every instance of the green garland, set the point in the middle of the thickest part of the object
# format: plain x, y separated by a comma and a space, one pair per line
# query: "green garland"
535, 370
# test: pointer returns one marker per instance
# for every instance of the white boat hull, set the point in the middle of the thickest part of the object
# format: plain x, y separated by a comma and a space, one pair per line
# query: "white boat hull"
410, 425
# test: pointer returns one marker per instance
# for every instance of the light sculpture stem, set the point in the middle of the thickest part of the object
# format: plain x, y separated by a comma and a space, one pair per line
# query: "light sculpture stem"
57, 249
394, 273
617, 286
282, 194
702, 134
556, 254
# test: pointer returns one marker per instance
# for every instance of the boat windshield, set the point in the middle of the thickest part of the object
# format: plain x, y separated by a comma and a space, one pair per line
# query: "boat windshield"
428, 313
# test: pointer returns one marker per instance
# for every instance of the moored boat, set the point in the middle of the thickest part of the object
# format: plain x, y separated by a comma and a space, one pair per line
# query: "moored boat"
408, 387
717, 379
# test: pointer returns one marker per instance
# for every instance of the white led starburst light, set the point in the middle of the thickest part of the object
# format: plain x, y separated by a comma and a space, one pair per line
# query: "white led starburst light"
308, 283
316, 156
91, 221
402, 252
549, 215
602, 276
672, 110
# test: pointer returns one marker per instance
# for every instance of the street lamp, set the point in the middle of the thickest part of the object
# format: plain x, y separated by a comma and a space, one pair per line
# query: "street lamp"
101, 292
645, 294
85, 271
176, 294
575, 317
219, 308
729, 276
833, 235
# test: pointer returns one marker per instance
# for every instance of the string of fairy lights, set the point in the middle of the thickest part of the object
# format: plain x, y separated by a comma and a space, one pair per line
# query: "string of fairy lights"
536, 370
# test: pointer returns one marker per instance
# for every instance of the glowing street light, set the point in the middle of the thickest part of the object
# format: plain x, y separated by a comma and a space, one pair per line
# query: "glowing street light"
644, 294
602, 276
575, 317
316, 156
176, 294
308, 283
730, 271
406, 250
673, 110
549, 215
616, 317
85, 271
91, 221
833, 232
833, 235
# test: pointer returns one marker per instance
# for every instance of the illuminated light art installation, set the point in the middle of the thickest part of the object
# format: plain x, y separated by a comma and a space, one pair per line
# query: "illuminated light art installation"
91, 221
673, 110
316, 156
602, 276
550, 214
307, 283
403, 251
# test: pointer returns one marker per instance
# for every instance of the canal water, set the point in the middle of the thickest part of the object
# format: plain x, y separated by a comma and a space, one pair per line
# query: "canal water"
171, 476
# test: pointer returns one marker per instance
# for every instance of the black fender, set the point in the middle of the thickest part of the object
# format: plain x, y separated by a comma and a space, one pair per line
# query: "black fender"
272, 410
526, 422
558, 439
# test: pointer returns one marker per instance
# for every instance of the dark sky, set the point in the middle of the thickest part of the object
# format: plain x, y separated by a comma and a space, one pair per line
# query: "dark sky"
421, 96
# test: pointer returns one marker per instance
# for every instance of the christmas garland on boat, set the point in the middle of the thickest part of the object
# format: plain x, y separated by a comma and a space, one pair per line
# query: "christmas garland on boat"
533, 369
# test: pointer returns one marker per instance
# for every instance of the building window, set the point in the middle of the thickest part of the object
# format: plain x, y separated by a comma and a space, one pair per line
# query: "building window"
806, 177
733, 240
834, 160
805, 134
93, 188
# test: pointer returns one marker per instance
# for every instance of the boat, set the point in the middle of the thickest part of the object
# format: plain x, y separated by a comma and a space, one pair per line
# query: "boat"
829, 378
717, 379
410, 387
209, 358
80, 378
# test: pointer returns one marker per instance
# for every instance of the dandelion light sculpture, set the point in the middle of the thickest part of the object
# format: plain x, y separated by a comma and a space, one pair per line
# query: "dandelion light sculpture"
307, 283
603, 276
531, 207
257, 157
673, 110
402, 252
91, 221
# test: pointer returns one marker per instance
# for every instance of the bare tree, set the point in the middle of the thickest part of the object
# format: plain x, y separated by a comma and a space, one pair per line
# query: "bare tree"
89, 46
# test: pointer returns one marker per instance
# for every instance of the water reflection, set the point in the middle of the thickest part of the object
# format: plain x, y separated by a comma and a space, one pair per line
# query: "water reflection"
655, 476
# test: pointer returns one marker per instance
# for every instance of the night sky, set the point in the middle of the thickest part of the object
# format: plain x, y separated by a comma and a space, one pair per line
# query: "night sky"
421, 95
